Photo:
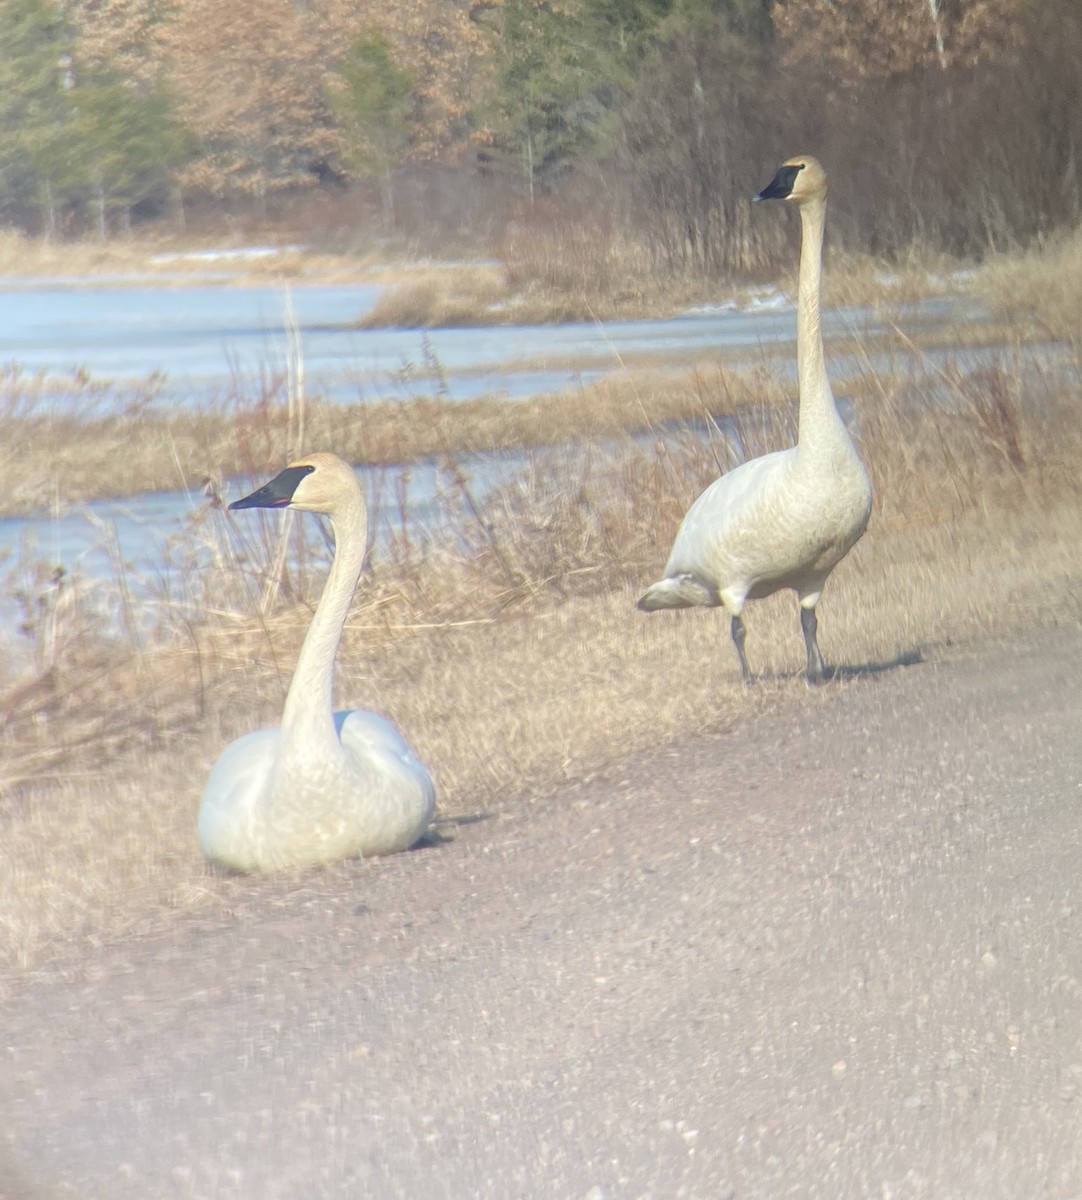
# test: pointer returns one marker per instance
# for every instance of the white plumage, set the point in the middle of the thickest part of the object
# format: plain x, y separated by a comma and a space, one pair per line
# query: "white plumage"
784, 520
325, 785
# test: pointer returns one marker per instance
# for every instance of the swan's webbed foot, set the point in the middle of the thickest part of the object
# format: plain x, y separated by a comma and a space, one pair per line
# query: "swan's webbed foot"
817, 671
738, 631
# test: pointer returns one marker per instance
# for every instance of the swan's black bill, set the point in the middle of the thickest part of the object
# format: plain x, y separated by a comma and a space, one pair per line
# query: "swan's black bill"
781, 186
277, 493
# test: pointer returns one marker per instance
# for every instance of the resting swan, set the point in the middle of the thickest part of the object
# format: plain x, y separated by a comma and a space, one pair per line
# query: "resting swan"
326, 785
786, 519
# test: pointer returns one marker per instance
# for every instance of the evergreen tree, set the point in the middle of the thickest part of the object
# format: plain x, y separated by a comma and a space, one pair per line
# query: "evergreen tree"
36, 55
73, 137
374, 99
125, 144
692, 127
544, 99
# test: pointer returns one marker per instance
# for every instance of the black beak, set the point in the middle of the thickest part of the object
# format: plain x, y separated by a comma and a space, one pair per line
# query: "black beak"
278, 493
781, 186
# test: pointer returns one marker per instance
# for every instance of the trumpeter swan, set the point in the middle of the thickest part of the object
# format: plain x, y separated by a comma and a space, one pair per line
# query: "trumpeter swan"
325, 785
786, 519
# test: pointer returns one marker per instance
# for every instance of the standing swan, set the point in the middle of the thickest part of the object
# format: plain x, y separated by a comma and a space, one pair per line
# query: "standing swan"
326, 785
786, 519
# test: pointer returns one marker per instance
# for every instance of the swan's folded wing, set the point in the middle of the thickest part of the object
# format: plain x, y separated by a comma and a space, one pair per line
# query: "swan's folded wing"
238, 782
368, 732
731, 504
377, 742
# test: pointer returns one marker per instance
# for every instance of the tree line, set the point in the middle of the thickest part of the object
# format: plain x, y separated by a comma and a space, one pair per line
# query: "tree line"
954, 122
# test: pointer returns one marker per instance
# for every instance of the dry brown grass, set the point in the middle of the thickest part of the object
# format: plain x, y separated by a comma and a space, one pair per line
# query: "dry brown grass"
1041, 290
449, 296
496, 708
55, 454
21, 256
485, 295
513, 656
862, 280
497, 295
583, 276
575, 276
174, 260
63, 456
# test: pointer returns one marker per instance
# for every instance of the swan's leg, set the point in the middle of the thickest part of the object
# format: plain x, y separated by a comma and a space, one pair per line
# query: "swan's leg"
809, 624
738, 631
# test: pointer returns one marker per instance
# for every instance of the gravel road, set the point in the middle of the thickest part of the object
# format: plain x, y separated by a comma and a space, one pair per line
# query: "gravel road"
832, 953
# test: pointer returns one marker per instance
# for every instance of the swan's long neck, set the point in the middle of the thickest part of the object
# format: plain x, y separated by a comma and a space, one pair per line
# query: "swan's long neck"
821, 428
308, 716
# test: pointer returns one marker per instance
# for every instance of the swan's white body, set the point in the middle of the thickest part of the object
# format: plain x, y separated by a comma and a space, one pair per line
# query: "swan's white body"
784, 520
325, 785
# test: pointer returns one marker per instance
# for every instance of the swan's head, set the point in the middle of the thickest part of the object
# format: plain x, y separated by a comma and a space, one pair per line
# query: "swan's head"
319, 483
798, 180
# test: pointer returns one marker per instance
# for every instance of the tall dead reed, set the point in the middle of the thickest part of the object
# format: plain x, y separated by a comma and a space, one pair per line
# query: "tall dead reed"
555, 262
1040, 290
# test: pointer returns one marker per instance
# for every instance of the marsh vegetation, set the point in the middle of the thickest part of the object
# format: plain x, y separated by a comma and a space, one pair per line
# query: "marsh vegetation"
505, 642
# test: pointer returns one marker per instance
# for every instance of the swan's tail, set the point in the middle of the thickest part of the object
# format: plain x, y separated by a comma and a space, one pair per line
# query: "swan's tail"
678, 591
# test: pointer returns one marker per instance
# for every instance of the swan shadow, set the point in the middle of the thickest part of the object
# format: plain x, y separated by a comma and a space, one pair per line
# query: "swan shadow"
907, 658
432, 838
845, 672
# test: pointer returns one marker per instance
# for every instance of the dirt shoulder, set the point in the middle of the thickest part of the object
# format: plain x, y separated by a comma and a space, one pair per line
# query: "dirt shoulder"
830, 953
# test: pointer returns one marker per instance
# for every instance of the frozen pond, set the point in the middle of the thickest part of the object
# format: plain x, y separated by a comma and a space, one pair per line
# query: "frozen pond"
201, 338
96, 537
147, 559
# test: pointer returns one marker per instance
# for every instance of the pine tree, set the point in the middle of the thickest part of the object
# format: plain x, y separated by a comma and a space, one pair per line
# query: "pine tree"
373, 98
544, 100
36, 137
124, 144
